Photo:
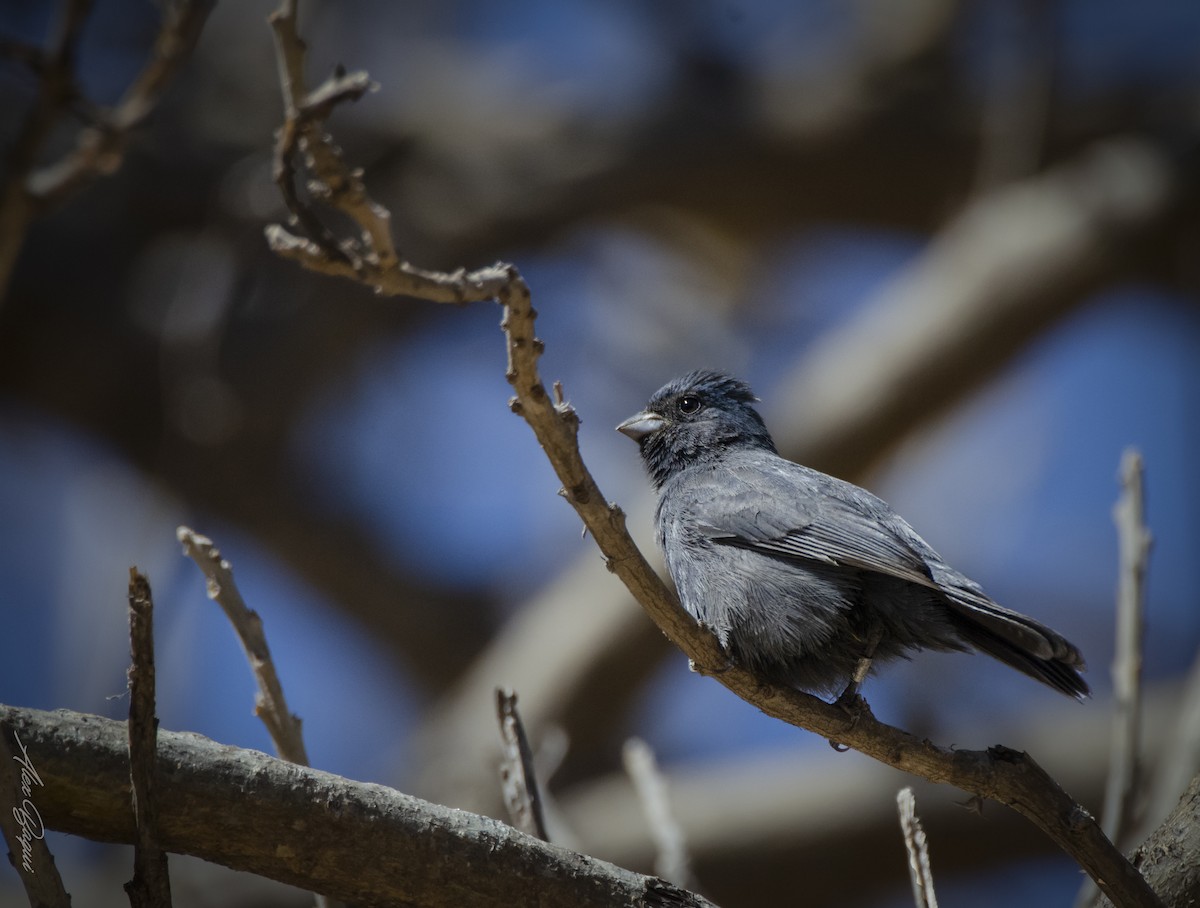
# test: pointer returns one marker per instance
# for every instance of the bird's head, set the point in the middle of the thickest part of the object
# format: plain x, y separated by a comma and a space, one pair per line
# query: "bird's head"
695, 419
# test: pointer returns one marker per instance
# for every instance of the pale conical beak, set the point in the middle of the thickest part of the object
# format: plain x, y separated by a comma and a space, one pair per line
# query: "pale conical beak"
642, 424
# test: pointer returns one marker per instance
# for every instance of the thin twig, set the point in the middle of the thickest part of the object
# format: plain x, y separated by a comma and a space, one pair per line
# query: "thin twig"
330, 179
671, 861
100, 145
918, 850
56, 68
151, 883
270, 705
99, 149
522, 795
402, 279
1134, 541
1133, 552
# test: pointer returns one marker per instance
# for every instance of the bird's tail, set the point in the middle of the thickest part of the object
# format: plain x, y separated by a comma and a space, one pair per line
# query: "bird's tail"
1021, 642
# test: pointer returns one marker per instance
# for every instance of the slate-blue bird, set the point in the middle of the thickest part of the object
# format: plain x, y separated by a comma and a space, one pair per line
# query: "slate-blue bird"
805, 579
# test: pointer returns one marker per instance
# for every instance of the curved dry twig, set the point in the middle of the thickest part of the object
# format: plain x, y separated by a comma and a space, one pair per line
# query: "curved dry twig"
919, 870
270, 704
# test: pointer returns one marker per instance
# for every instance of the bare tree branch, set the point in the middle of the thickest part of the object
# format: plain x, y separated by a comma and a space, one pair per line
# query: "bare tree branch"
1170, 857
151, 884
1134, 541
56, 86
371, 256
270, 704
522, 794
366, 844
760, 803
1133, 553
918, 850
671, 860
99, 147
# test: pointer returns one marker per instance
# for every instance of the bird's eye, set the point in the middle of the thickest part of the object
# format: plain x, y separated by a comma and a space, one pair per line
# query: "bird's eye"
689, 404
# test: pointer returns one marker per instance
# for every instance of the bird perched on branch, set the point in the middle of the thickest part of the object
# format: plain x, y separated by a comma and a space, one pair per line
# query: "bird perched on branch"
805, 579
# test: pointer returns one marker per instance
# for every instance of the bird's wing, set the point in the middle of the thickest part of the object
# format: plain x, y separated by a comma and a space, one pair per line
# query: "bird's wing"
781, 509
787, 511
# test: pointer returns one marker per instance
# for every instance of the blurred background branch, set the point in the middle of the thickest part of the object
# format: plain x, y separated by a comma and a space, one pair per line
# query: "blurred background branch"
31, 184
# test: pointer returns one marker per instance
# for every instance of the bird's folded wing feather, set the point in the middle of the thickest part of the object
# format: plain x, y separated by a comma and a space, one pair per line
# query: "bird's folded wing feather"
798, 514
791, 512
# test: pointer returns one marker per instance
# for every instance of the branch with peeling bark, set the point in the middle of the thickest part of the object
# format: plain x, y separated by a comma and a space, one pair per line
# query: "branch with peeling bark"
364, 843
1170, 857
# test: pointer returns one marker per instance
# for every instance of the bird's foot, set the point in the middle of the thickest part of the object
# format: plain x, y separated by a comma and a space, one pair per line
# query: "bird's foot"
851, 702
706, 670
855, 706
